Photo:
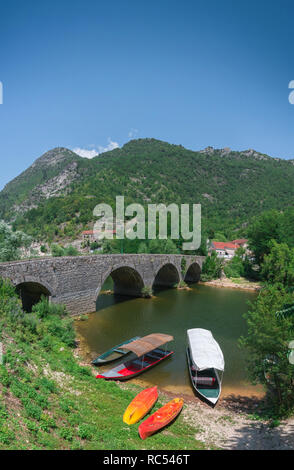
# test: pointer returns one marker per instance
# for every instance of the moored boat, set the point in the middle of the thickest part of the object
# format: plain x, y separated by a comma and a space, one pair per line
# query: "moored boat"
206, 364
147, 354
140, 405
114, 353
161, 418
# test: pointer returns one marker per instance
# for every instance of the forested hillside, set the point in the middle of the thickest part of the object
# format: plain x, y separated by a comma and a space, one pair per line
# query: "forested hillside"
57, 194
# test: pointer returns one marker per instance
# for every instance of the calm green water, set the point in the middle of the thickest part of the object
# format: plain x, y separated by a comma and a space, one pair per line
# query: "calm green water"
173, 312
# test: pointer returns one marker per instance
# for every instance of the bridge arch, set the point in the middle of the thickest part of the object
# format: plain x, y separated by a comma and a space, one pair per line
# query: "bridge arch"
126, 281
167, 276
193, 274
31, 292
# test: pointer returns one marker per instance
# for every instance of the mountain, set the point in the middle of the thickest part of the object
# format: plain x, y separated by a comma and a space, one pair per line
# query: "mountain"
57, 194
49, 176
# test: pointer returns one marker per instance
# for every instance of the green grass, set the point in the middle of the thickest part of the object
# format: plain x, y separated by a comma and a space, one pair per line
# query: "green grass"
49, 401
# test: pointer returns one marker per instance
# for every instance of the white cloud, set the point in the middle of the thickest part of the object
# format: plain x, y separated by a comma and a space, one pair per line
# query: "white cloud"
90, 153
111, 146
133, 133
85, 153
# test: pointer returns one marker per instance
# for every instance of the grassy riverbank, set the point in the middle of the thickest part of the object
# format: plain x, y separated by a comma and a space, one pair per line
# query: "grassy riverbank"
49, 401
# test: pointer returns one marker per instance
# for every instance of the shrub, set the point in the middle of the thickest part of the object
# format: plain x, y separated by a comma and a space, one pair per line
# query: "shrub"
46, 384
47, 423
6, 435
66, 433
57, 250
32, 426
6, 288
5, 377
183, 266
44, 308
62, 329
212, 267
32, 410
71, 251
235, 267
84, 431
94, 246
146, 292
181, 284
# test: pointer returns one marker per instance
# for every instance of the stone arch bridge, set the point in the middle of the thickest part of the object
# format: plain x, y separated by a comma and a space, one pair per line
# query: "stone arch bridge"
77, 281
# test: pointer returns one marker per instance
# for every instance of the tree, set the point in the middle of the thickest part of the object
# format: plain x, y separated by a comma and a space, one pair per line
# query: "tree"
278, 265
212, 267
71, 251
286, 227
163, 246
57, 250
220, 237
262, 231
170, 247
236, 266
143, 248
267, 346
11, 242
111, 246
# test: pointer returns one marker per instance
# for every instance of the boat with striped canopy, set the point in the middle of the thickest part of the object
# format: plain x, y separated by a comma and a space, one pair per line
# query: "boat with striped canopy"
146, 354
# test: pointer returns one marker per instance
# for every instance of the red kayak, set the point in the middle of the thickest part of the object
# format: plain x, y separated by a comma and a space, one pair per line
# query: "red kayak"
161, 418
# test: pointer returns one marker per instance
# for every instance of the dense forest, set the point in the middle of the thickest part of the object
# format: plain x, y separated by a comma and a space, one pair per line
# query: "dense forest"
55, 197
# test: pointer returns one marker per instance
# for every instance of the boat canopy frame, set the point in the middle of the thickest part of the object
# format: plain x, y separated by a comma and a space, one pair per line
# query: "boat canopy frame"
144, 345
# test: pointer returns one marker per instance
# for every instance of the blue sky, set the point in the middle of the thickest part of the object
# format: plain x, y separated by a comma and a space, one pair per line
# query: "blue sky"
93, 74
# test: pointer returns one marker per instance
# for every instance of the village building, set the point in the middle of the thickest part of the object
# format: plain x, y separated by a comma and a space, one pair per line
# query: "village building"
227, 249
242, 242
88, 236
224, 249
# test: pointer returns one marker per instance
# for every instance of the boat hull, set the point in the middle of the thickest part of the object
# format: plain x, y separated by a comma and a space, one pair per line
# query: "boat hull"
140, 405
136, 366
106, 358
161, 418
209, 394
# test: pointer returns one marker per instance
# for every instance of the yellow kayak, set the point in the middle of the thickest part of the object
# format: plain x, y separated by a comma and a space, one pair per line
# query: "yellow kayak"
140, 405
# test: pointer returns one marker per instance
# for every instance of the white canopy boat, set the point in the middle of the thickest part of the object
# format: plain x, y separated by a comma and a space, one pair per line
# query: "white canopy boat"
206, 364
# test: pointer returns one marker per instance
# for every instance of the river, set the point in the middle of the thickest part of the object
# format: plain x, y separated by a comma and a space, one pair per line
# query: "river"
173, 312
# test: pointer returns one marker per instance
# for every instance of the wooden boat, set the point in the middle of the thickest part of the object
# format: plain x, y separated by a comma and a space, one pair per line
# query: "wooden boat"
205, 359
161, 418
140, 405
114, 353
147, 354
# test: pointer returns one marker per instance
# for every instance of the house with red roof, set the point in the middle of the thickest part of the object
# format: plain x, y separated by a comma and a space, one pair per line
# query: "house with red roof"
224, 249
90, 235
242, 242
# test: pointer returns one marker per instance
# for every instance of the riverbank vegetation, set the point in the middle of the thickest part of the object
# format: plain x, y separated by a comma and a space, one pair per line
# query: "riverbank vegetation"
49, 401
270, 331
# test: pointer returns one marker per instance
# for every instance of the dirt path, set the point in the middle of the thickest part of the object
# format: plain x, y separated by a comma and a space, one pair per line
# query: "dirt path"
230, 426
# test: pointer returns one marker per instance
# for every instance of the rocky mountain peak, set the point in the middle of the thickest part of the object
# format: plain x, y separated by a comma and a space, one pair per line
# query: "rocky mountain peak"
54, 156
